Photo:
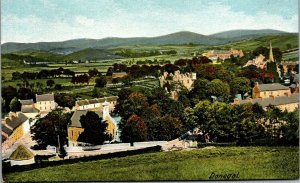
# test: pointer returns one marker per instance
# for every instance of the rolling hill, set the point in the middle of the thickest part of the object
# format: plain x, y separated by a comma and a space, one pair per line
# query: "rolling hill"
183, 37
235, 35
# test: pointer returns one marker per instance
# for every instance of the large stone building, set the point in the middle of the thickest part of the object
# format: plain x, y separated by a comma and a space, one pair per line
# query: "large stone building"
75, 128
223, 54
287, 102
45, 102
270, 90
186, 80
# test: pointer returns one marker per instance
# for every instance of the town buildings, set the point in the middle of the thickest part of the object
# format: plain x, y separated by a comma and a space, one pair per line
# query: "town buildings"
96, 103
13, 128
223, 54
273, 94
270, 90
44, 104
75, 128
186, 80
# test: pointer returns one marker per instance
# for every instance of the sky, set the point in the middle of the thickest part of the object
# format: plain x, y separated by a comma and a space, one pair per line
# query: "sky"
58, 20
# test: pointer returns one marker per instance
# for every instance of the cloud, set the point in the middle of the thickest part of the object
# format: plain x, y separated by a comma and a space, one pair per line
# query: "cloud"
149, 20
85, 21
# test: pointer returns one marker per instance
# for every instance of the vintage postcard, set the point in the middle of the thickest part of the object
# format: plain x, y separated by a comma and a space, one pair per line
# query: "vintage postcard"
149, 90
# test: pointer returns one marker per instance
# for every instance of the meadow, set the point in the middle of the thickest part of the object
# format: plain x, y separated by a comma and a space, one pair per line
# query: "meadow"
198, 164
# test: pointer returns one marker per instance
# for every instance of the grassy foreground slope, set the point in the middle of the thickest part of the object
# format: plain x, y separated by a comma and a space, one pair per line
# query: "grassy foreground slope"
199, 164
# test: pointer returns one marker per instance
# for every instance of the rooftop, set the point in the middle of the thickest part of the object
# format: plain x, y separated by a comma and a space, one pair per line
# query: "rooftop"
6, 130
27, 102
280, 100
21, 153
272, 87
75, 119
29, 109
16, 121
45, 97
96, 100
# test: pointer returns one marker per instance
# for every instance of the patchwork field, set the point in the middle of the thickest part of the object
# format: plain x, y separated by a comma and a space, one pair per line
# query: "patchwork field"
199, 164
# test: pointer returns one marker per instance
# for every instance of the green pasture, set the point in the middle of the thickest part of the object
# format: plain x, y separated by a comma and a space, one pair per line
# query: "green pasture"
199, 164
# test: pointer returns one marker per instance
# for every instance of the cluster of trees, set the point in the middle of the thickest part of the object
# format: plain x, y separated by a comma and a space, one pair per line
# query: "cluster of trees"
135, 54
149, 115
43, 74
94, 129
9, 93
243, 123
80, 79
65, 99
152, 115
154, 62
193, 62
277, 54
52, 129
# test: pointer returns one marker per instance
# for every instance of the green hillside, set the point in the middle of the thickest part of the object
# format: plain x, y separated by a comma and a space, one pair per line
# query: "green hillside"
91, 54
199, 164
278, 41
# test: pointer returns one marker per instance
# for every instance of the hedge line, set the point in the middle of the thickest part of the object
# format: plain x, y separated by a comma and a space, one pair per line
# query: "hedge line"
41, 163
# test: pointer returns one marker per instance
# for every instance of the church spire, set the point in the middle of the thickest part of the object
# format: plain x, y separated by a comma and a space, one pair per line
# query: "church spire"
271, 58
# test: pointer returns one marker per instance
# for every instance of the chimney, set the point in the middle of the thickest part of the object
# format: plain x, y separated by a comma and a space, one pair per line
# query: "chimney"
256, 83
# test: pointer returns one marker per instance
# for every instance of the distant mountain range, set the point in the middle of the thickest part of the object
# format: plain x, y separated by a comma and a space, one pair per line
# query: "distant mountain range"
184, 37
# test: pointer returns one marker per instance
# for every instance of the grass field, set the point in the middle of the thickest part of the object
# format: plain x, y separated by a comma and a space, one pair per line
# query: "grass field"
199, 164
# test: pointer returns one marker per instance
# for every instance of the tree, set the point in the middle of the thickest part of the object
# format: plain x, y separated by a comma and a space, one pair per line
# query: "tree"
93, 72
219, 89
65, 100
58, 87
133, 130
100, 82
50, 83
15, 105
240, 85
290, 130
169, 128
54, 126
94, 129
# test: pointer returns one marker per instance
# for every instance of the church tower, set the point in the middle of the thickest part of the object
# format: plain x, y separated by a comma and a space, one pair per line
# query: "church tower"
271, 58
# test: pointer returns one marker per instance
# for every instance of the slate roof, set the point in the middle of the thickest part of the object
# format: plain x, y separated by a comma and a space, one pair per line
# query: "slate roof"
280, 100
30, 109
96, 100
272, 87
21, 153
6, 130
16, 121
75, 119
45, 97
27, 102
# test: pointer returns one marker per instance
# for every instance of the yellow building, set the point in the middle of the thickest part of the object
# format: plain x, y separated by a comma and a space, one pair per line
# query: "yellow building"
270, 90
75, 128
286, 102
13, 128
